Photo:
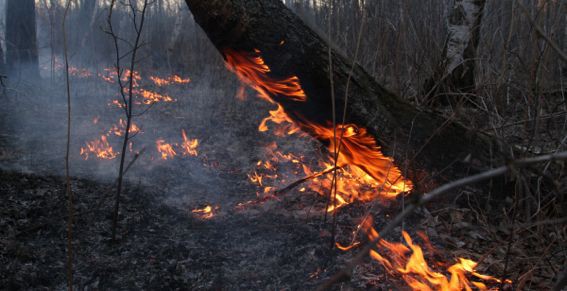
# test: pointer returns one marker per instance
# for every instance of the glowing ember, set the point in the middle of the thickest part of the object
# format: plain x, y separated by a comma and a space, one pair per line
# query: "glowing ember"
364, 173
189, 146
100, 148
204, 213
408, 262
166, 150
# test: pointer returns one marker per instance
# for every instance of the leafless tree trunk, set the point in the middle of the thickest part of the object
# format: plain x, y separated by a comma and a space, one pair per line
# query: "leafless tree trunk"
21, 39
456, 73
2, 62
429, 143
177, 28
564, 42
70, 198
88, 16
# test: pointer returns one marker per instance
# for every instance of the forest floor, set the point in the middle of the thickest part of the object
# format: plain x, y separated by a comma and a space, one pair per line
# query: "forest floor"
248, 244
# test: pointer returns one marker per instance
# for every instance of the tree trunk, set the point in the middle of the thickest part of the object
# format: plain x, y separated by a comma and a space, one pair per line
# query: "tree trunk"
2, 65
564, 42
422, 143
21, 41
87, 22
456, 73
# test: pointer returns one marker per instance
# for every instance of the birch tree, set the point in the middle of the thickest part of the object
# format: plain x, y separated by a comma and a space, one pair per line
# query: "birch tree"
456, 72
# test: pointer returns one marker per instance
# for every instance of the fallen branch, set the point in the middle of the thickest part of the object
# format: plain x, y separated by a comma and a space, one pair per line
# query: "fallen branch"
428, 197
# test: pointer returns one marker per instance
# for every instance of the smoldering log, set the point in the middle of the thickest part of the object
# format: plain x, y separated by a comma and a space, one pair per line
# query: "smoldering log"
420, 141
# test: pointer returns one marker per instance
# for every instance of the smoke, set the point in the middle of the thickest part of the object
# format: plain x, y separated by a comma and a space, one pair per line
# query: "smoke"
34, 114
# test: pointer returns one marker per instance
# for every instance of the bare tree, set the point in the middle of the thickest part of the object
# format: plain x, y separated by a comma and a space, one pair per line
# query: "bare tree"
21, 39
126, 88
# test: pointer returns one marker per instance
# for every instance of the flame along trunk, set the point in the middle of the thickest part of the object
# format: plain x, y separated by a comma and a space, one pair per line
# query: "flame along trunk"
356, 148
367, 166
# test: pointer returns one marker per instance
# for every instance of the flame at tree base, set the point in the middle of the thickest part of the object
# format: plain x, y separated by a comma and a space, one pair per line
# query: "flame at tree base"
361, 172
366, 173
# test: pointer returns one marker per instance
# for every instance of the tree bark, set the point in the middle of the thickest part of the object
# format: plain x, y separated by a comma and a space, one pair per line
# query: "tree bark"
21, 40
564, 42
88, 18
2, 65
456, 72
422, 143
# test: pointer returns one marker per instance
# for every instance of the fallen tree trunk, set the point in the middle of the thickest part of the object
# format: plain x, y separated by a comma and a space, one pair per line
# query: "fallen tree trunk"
421, 142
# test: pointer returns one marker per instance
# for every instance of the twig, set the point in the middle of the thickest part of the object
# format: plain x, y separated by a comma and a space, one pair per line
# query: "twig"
136, 156
303, 180
428, 197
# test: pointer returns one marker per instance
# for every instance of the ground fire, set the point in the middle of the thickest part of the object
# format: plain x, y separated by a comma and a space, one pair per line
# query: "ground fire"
365, 174
206, 212
283, 145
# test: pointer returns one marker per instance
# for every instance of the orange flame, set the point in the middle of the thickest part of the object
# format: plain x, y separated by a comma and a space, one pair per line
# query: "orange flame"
110, 76
408, 262
365, 173
100, 148
174, 79
166, 150
204, 213
279, 117
254, 72
150, 97
189, 146
120, 128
